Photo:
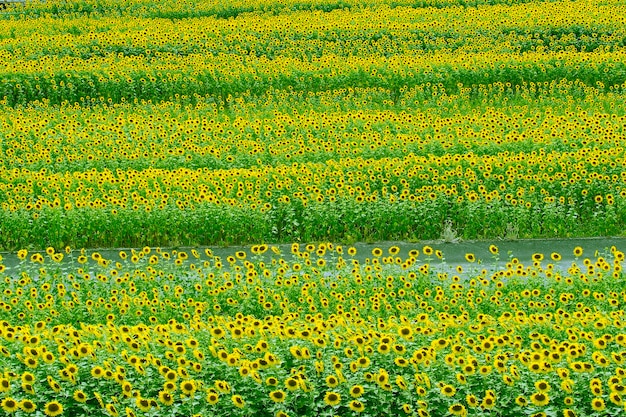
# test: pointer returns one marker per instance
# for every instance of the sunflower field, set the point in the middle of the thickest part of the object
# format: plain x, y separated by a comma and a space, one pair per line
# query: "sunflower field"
317, 331
177, 127
125, 123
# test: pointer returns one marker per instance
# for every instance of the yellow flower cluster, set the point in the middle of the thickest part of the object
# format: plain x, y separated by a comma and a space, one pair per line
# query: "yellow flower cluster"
564, 169
320, 120
521, 181
375, 29
321, 326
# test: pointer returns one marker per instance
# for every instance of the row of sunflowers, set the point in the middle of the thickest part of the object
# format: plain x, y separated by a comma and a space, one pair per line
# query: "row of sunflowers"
317, 330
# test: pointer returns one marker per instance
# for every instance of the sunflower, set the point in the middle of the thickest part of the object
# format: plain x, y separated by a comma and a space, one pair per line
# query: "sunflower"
332, 398
405, 332
508, 380
127, 388
97, 372
143, 404
470, 257
222, 386
53, 408
598, 404
616, 398
28, 378
166, 398
332, 381
356, 405
169, 386
401, 362
28, 406
469, 369
488, 402
363, 361
578, 251
217, 332
99, 399
555, 256
457, 409
382, 377
356, 391
278, 396
448, 390
10, 405
188, 387
112, 410
292, 384
31, 362
542, 386
461, 378
212, 397
394, 250
401, 383
383, 348
377, 252
48, 357
238, 401
53, 384
79, 396
493, 249
540, 398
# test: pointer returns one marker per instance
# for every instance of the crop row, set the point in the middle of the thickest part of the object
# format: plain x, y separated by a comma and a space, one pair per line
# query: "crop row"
115, 79
227, 9
412, 197
87, 60
359, 123
380, 31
